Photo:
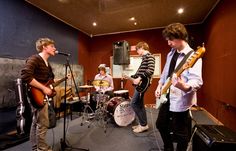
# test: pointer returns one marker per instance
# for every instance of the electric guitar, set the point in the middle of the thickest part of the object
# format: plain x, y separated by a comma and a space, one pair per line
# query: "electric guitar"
38, 98
142, 85
188, 64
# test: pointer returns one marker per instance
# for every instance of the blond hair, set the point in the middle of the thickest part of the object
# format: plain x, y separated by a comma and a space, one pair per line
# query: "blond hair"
43, 42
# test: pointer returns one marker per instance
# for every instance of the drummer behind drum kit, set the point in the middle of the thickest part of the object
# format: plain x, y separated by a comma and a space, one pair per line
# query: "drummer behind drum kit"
118, 108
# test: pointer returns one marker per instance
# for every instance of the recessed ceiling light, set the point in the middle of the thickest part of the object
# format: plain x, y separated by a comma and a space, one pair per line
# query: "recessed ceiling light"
63, 1
132, 18
94, 24
135, 23
180, 10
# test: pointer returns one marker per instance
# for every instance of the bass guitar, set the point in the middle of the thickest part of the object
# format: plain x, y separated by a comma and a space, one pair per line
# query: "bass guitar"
38, 98
188, 64
142, 85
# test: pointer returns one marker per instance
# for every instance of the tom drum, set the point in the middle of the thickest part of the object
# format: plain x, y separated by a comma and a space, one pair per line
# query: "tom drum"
122, 93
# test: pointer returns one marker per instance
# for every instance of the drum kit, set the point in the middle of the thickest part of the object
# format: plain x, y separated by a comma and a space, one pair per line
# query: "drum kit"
118, 107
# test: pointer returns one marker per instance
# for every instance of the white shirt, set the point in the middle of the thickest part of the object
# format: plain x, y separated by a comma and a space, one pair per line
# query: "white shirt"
107, 78
179, 100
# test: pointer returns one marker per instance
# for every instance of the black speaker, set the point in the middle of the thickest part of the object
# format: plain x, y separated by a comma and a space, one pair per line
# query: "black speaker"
213, 138
121, 53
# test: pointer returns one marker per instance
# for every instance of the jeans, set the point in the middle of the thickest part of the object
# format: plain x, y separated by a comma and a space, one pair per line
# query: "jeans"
137, 103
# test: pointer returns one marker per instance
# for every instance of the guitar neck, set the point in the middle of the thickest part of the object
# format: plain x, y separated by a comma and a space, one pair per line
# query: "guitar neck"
168, 83
58, 82
189, 63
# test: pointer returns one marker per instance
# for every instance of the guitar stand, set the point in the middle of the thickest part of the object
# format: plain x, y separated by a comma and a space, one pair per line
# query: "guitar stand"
64, 146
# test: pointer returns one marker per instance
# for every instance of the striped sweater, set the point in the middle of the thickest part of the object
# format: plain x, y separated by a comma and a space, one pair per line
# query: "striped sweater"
147, 66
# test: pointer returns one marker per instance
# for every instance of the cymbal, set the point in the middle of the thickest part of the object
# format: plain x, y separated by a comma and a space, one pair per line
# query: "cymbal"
100, 83
86, 86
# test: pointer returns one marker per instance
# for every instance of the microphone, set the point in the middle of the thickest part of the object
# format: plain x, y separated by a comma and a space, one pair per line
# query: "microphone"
62, 53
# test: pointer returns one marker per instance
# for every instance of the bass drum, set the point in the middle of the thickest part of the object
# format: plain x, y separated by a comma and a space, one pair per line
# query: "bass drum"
121, 110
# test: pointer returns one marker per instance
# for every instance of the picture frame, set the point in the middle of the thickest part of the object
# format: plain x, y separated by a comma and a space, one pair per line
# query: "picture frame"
135, 61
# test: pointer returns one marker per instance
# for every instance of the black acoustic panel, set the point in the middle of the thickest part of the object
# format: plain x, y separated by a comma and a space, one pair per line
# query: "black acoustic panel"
121, 53
214, 138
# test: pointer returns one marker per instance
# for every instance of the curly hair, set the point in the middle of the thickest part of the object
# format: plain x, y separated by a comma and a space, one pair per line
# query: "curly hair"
175, 31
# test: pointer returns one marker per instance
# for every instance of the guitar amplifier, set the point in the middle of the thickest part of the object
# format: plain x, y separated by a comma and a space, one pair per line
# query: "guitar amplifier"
213, 138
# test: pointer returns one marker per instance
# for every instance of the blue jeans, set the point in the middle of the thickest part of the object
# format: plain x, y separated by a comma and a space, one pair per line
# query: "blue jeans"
137, 104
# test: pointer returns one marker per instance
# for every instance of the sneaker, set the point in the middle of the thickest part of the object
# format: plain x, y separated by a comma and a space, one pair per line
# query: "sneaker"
136, 126
141, 129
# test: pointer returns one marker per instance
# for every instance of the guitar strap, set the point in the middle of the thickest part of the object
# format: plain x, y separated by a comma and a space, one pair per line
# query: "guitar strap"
178, 67
166, 99
182, 62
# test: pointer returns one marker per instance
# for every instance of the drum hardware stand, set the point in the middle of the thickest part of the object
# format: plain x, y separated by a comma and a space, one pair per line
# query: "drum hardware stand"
86, 115
63, 140
101, 112
99, 115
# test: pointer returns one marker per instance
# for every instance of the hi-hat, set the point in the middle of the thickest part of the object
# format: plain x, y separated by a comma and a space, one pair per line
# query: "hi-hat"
100, 83
86, 86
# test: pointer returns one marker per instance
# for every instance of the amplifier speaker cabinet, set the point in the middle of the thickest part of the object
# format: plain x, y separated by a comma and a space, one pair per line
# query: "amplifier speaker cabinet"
213, 138
121, 53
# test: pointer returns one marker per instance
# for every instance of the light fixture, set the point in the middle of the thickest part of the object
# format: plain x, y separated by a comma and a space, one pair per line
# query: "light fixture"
135, 23
132, 18
94, 24
63, 1
180, 10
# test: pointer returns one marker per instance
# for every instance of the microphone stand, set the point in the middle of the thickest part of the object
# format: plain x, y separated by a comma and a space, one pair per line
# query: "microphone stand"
63, 140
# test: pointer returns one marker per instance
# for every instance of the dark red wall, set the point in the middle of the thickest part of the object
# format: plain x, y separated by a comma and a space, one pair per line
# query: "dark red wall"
219, 90
83, 52
100, 50
218, 94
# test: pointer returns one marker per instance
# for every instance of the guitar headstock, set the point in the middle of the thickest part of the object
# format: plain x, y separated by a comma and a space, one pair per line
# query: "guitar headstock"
193, 59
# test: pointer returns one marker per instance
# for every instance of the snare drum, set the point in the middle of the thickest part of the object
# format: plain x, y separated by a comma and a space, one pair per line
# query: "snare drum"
121, 110
122, 93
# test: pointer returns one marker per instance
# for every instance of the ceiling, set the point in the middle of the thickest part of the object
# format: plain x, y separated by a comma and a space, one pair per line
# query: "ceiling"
113, 16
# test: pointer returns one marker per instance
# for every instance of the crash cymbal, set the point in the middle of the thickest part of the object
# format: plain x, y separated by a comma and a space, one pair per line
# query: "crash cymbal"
86, 86
100, 83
